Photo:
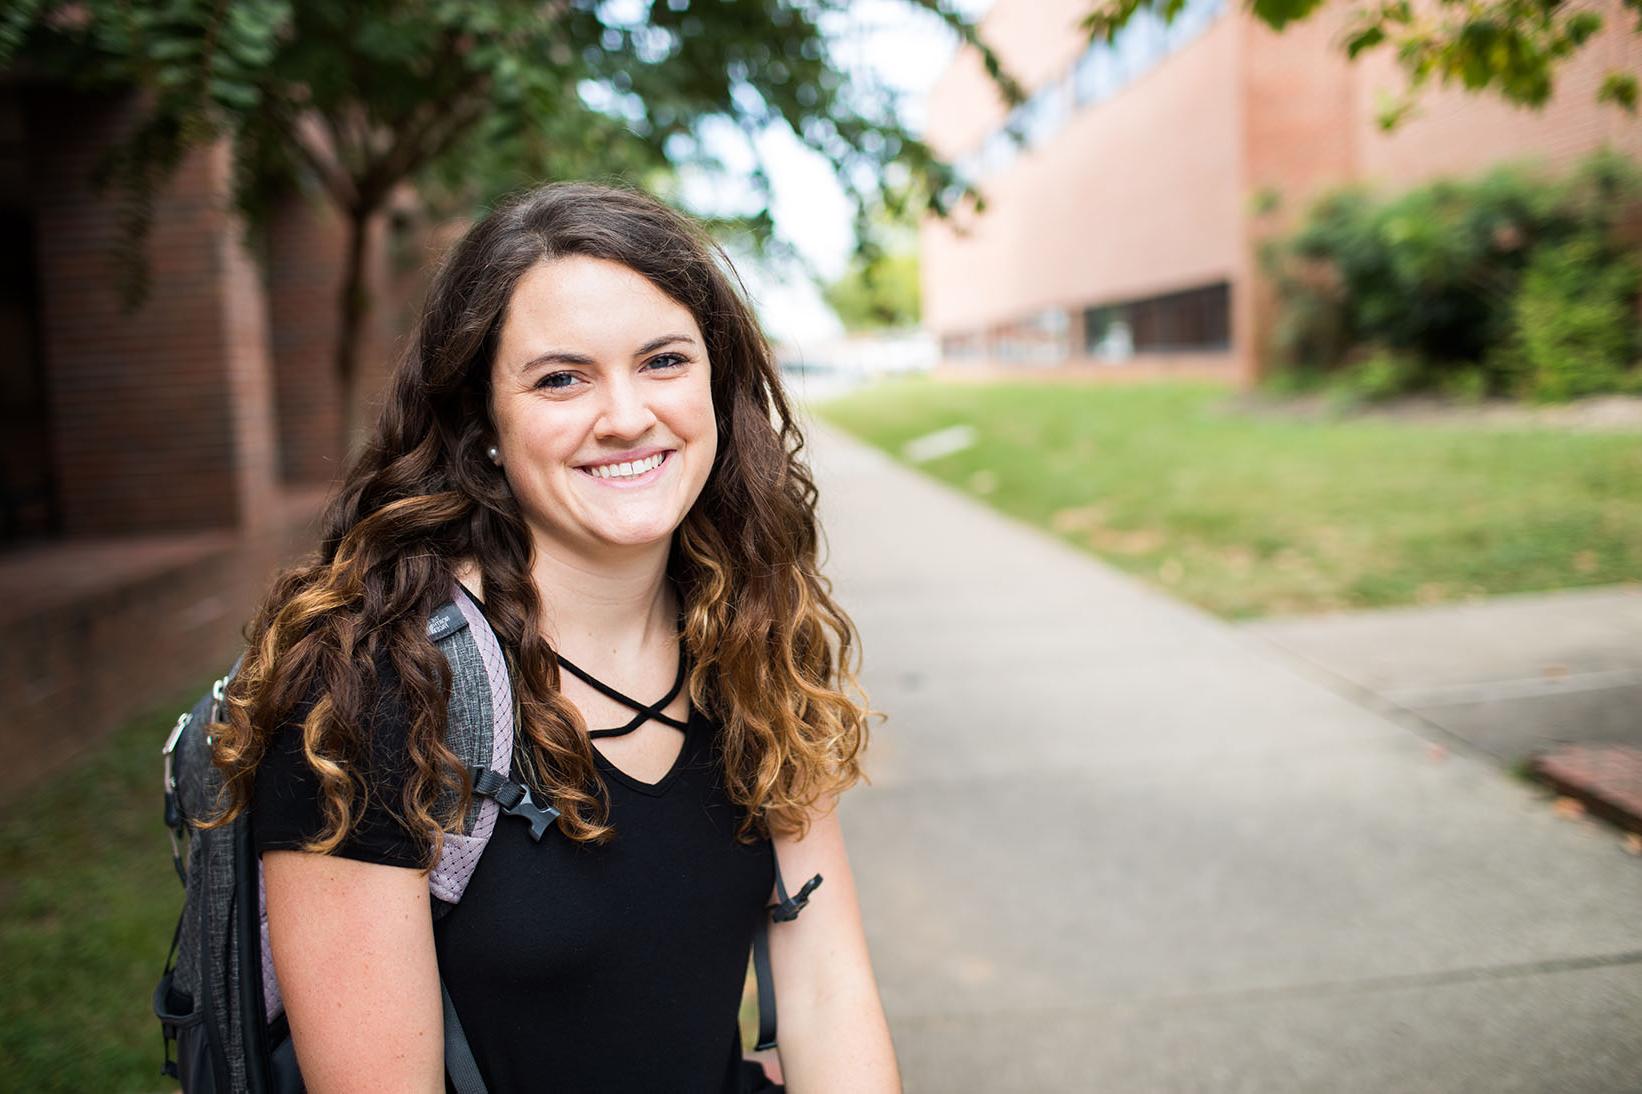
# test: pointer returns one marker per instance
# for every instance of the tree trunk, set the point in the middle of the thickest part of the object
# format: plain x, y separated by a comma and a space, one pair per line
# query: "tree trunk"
355, 308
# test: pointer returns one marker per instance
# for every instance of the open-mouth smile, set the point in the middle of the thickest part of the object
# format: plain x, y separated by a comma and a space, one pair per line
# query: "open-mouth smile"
628, 473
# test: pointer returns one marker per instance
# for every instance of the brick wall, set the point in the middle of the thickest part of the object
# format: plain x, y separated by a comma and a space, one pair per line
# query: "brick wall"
1130, 199
305, 250
1297, 95
114, 627
307, 240
166, 445
1151, 190
161, 418
1460, 133
1035, 41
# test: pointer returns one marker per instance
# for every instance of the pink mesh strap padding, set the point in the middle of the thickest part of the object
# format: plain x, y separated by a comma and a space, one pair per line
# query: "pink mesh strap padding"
449, 879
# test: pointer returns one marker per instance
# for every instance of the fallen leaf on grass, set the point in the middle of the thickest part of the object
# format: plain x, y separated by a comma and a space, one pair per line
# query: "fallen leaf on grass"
1290, 561
1140, 541
1431, 592
1239, 560
1079, 518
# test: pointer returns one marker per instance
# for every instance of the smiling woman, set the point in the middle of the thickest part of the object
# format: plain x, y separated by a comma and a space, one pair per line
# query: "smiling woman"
610, 393
587, 443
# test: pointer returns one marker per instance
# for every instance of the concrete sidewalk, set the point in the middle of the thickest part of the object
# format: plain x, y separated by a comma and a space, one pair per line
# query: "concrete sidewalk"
1113, 844
1510, 676
1551, 681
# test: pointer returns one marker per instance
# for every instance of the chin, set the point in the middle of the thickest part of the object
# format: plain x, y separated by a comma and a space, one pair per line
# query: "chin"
635, 537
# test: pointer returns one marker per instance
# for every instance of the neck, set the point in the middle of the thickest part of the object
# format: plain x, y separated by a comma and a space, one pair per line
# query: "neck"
609, 610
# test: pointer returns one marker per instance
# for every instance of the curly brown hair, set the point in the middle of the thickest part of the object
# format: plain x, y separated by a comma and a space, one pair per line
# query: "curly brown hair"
773, 657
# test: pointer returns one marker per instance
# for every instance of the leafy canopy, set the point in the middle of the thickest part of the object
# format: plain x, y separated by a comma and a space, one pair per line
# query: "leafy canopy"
875, 294
1510, 46
469, 98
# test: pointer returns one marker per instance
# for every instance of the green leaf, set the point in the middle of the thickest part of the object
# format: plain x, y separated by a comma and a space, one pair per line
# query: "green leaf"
1581, 26
1364, 39
1619, 88
1277, 14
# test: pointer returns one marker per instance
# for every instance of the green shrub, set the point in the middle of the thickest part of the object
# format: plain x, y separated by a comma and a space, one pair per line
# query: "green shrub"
1433, 275
1575, 320
1465, 384
1381, 375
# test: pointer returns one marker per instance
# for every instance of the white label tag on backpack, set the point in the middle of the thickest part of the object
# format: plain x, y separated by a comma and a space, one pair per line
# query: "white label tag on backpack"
446, 621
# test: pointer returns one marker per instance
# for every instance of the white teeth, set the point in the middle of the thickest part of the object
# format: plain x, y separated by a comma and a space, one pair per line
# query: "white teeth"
629, 469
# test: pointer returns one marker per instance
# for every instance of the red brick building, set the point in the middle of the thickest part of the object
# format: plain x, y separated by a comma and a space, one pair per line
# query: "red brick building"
1121, 238
155, 464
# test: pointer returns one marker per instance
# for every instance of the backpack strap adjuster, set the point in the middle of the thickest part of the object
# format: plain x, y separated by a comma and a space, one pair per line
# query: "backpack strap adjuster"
513, 799
790, 906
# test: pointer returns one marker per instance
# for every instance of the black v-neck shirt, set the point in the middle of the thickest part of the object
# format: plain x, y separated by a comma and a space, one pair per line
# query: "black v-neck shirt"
575, 967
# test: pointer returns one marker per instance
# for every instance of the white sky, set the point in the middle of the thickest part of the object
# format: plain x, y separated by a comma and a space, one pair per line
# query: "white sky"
890, 41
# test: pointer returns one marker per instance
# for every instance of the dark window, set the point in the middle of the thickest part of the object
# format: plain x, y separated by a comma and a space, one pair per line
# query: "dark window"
1197, 319
28, 497
1040, 338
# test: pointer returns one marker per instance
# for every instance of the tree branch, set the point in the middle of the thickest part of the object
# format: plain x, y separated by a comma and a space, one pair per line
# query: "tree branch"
433, 133
308, 138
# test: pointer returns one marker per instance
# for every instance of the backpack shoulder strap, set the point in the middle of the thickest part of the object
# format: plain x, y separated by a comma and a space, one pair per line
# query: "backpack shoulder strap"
481, 732
782, 912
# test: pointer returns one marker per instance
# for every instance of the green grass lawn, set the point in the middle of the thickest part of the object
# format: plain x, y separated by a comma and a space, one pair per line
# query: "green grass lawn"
1251, 517
87, 904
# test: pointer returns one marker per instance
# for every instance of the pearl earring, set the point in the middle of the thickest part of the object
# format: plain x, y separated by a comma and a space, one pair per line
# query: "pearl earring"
494, 453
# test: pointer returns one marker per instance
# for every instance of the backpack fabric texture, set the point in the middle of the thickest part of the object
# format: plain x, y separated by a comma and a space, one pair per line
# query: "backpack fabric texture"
218, 1000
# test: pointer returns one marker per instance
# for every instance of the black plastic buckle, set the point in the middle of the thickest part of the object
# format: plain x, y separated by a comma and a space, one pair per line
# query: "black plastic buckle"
514, 799
788, 909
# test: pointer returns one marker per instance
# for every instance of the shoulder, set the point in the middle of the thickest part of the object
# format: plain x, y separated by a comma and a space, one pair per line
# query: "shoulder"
288, 793
381, 705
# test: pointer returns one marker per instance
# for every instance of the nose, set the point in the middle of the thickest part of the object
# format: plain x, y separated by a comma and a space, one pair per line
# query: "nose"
625, 413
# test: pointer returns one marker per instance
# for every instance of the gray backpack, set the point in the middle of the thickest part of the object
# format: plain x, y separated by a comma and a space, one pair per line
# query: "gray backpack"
218, 1002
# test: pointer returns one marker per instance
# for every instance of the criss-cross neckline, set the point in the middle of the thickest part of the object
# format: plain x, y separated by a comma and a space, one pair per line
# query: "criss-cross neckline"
645, 711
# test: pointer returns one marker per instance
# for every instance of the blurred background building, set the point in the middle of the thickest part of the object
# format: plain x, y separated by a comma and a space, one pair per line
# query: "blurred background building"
154, 462
1122, 228
162, 452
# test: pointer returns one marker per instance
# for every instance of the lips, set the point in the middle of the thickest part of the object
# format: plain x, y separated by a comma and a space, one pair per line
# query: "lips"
628, 472
618, 458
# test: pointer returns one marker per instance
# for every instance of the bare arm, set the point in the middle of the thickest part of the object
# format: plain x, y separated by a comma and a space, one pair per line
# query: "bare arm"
832, 1032
353, 948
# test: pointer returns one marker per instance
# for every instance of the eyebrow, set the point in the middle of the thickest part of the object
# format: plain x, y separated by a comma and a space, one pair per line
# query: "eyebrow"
565, 357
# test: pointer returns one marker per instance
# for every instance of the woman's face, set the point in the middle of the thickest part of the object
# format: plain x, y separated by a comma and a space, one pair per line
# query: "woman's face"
600, 395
